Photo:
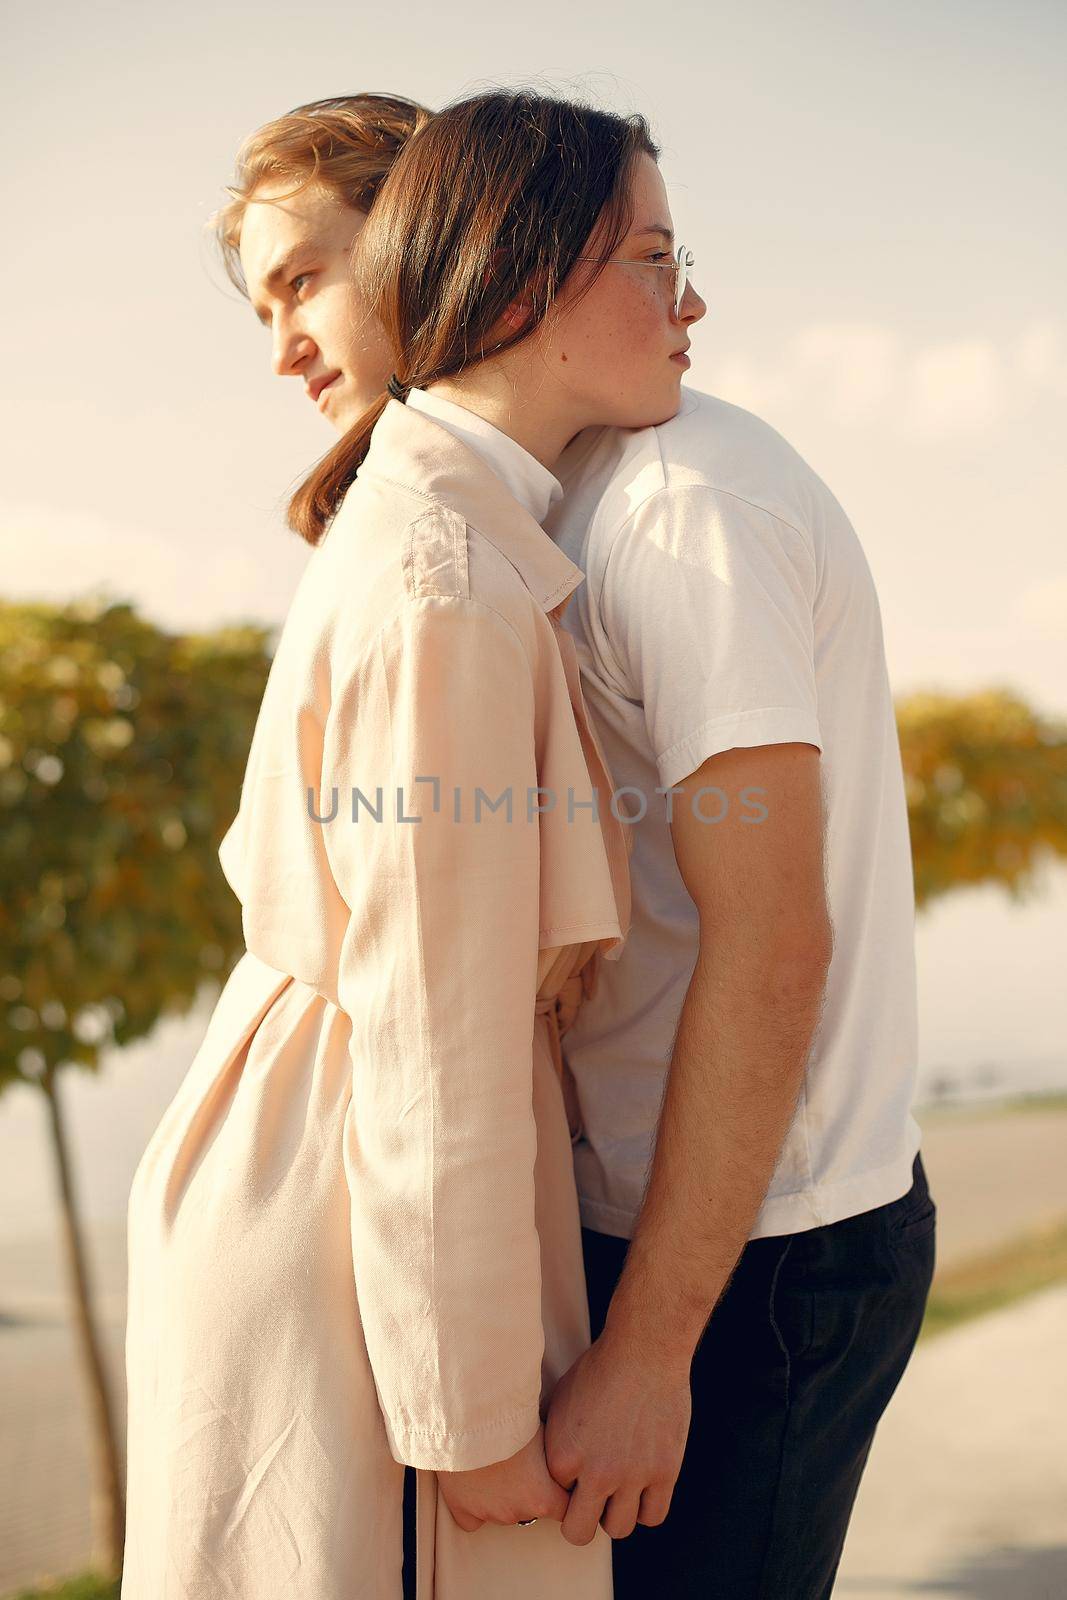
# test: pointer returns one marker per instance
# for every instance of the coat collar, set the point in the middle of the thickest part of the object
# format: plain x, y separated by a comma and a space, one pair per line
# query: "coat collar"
417, 450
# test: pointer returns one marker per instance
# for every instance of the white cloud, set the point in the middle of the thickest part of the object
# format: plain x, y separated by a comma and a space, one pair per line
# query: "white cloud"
955, 388
852, 366
1042, 607
859, 373
181, 583
748, 386
1040, 357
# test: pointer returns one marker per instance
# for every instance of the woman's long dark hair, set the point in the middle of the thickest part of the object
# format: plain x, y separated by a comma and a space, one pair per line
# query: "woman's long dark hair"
489, 204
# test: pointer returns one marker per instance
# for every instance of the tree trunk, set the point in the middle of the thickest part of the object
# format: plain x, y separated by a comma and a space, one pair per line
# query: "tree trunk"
107, 1498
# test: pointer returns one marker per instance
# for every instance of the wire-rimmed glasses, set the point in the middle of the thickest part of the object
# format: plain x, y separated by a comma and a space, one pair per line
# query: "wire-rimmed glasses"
679, 268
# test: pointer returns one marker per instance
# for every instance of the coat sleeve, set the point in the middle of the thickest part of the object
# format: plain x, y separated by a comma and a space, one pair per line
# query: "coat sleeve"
430, 745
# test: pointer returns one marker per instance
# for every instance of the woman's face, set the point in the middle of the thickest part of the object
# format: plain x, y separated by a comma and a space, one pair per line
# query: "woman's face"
617, 352
297, 260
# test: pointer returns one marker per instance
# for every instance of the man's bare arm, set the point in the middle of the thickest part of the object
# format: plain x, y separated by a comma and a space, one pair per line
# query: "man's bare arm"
743, 1039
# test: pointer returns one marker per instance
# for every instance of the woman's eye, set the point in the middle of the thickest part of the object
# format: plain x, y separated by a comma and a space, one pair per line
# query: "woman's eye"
660, 255
298, 279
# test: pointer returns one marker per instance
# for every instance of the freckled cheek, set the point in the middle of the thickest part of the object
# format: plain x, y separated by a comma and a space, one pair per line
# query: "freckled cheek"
640, 319
636, 336
631, 324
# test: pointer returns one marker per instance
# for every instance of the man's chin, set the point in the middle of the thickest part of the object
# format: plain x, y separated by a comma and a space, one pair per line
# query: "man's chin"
341, 416
343, 411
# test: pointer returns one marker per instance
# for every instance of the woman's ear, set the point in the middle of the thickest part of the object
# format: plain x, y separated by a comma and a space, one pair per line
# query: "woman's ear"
517, 315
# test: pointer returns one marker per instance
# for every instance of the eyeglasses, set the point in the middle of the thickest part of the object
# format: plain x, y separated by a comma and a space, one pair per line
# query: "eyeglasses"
678, 268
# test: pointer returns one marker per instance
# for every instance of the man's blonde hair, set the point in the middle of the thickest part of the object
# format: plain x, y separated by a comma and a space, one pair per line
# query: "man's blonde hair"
345, 145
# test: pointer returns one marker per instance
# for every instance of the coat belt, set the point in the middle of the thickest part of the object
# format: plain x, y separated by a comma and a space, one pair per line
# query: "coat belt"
561, 1009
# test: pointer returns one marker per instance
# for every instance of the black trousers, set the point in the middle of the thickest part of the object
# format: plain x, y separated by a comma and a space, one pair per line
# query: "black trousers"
793, 1372
789, 1380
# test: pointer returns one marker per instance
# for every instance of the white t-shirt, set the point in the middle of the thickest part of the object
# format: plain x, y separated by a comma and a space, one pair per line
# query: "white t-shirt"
727, 603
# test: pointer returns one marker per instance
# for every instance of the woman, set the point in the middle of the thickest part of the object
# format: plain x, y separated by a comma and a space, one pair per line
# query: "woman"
354, 1239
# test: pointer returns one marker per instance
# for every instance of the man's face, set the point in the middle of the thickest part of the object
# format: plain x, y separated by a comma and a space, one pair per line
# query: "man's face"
617, 352
297, 260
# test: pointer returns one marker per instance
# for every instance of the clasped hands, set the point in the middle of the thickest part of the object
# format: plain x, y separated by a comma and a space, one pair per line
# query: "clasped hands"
608, 1451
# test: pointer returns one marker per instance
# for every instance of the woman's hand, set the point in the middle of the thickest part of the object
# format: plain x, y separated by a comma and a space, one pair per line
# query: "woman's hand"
506, 1491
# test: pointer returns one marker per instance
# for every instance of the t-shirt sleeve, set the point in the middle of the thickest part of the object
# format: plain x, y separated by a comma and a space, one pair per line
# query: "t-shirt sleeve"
708, 603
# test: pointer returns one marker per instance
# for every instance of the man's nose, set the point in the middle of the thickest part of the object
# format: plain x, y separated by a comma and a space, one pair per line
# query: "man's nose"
290, 350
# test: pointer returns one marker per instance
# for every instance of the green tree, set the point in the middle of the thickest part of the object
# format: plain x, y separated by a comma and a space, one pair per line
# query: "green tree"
121, 754
122, 749
986, 781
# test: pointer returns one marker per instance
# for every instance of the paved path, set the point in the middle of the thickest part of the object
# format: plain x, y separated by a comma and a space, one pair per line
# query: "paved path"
965, 1492
992, 1175
45, 1523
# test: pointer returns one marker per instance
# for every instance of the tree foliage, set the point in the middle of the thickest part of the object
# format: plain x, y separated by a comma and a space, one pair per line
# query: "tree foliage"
122, 749
986, 781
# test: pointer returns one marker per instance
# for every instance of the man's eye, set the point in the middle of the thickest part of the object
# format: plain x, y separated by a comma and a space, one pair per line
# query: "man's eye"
661, 255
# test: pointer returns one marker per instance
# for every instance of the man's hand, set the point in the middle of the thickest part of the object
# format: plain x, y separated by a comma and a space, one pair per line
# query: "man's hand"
615, 1435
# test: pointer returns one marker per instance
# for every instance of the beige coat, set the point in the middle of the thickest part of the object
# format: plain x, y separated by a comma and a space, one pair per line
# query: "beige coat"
354, 1238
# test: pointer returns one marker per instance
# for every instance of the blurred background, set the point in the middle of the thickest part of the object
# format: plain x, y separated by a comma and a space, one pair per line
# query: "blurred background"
873, 196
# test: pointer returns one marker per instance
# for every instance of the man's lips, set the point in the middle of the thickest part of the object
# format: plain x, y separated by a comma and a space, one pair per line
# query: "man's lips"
317, 387
681, 357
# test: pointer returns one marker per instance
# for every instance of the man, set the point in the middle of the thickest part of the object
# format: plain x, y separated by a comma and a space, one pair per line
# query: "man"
732, 657
757, 1227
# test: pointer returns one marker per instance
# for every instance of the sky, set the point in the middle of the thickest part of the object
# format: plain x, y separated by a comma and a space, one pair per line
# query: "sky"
871, 192
873, 197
